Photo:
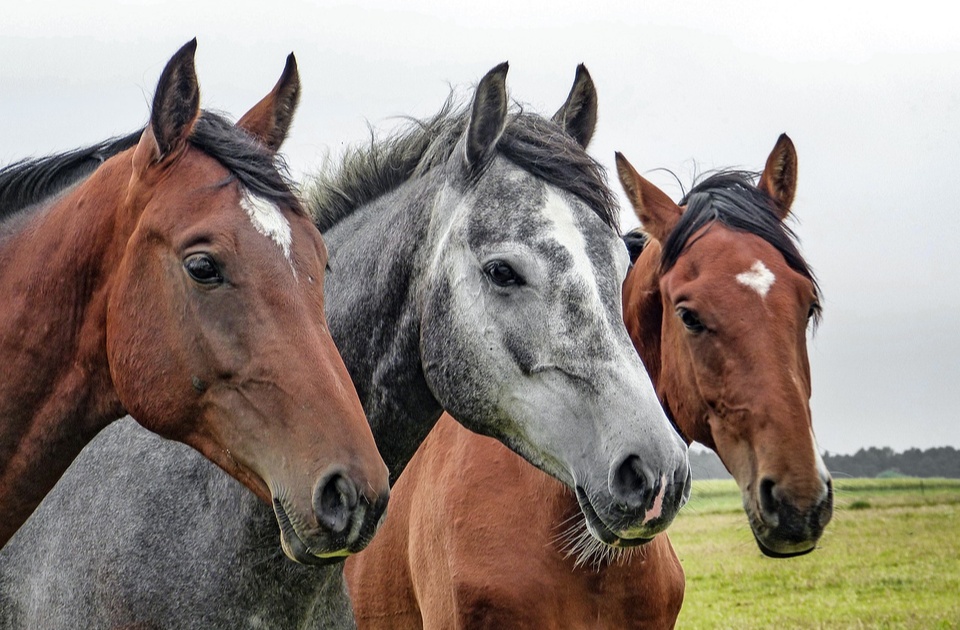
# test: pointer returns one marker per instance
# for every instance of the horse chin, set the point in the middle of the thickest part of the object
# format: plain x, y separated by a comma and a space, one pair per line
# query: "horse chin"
599, 530
788, 551
295, 548
773, 545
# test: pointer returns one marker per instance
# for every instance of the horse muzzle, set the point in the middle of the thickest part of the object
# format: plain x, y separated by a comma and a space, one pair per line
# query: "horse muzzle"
642, 506
781, 529
346, 522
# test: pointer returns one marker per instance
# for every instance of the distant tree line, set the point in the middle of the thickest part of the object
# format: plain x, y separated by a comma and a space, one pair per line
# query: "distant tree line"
943, 461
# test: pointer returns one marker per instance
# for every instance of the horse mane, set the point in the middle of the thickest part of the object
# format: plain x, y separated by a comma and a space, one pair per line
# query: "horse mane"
732, 198
532, 142
31, 181
635, 240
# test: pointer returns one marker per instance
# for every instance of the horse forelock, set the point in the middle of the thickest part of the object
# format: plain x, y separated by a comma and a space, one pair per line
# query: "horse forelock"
531, 142
262, 172
732, 199
541, 147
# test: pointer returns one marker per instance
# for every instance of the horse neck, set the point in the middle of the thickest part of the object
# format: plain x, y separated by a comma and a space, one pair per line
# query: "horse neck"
56, 393
643, 312
373, 309
643, 309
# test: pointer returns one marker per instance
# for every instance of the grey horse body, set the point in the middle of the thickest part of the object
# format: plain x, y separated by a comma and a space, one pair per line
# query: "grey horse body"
142, 532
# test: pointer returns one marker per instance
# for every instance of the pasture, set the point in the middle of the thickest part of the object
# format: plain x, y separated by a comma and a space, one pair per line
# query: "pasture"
889, 559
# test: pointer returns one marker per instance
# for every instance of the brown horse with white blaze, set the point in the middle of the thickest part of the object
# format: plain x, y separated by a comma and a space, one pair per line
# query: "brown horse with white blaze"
735, 299
181, 281
718, 303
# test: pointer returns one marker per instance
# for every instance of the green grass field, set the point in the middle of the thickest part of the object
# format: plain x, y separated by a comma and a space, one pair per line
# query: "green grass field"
890, 558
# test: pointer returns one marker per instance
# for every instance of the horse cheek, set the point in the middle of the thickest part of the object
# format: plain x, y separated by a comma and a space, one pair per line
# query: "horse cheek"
143, 350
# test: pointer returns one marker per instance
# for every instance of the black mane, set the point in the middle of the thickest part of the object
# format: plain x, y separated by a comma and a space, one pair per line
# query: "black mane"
31, 181
533, 143
256, 168
635, 240
733, 199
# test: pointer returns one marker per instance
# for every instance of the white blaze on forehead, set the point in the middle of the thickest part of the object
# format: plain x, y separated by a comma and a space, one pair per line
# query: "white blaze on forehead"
566, 232
269, 221
759, 278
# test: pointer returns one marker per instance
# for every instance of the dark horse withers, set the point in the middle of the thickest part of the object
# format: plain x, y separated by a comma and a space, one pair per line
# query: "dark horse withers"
181, 282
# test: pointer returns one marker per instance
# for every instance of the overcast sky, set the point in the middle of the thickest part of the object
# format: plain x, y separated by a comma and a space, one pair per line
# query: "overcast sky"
870, 95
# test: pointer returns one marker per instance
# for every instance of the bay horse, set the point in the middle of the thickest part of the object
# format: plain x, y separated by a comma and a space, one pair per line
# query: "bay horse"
718, 304
174, 275
475, 267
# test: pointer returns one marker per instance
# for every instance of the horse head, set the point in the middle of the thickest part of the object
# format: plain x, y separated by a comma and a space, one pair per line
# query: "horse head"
215, 330
719, 303
522, 331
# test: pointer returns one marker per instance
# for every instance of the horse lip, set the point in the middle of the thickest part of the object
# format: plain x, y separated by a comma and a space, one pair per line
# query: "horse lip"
293, 545
761, 528
770, 553
599, 529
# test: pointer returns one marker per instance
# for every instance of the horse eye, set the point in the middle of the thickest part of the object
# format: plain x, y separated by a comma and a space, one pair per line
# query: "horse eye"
814, 310
690, 320
502, 274
203, 269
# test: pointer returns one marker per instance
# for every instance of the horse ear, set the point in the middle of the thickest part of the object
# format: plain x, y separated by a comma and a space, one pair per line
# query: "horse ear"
488, 116
176, 104
779, 179
269, 120
653, 207
578, 116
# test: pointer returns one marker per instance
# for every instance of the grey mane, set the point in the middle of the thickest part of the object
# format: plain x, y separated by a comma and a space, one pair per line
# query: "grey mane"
531, 142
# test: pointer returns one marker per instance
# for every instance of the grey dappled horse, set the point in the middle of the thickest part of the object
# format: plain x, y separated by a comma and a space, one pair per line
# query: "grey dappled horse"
475, 268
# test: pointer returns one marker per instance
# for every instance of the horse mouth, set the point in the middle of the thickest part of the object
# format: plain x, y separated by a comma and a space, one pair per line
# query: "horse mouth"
790, 532
774, 544
770, 553
296, 548
599, 530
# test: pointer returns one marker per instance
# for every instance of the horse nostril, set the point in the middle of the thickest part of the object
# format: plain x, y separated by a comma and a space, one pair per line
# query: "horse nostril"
768, 502
334, 502
631, 483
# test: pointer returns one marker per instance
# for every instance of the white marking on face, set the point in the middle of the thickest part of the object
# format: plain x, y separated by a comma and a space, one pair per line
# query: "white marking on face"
759, 278
566, 232
269, 221
657, 509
